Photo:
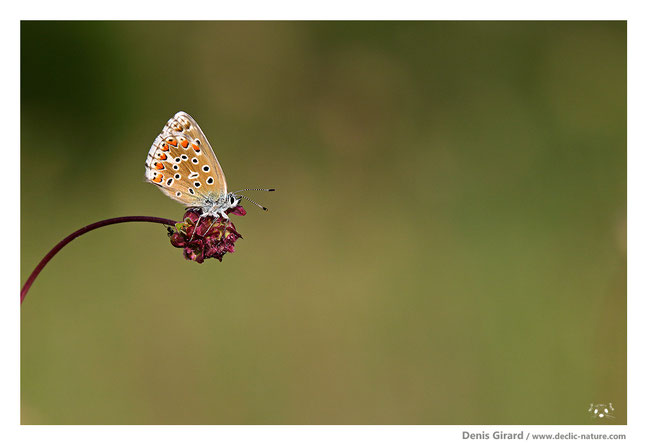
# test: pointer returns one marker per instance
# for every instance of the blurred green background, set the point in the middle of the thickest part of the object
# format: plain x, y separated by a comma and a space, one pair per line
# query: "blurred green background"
447, 244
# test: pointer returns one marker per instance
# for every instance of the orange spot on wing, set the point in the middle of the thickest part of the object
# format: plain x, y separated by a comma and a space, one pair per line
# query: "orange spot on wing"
163, 156
158, 166
195, 147
164, 147
184, 143
157, 178
173, 142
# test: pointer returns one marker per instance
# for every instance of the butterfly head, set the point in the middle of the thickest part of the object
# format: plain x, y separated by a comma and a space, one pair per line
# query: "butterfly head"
232, 200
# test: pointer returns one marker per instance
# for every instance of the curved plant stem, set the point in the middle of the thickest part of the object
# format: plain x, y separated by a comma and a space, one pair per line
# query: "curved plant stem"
75, 234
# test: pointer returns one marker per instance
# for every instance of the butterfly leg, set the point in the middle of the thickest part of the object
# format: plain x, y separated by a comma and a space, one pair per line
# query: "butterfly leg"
195, 227
210, 226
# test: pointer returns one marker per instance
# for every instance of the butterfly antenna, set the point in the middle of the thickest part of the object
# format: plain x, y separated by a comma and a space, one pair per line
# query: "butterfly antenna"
254, 202
243, 190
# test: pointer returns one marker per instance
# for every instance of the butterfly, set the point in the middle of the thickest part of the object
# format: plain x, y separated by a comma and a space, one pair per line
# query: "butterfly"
183, 165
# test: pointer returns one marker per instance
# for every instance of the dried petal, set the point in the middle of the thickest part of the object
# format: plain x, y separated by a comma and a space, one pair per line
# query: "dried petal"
238, 210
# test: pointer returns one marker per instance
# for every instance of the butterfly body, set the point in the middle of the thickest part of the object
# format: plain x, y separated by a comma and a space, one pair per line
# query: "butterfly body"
215, 205
183, 165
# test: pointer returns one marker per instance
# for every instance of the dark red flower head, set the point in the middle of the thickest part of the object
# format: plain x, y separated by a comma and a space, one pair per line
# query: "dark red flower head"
205, 237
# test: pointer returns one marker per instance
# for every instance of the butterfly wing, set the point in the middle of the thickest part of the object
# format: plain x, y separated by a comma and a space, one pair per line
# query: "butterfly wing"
182, 163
